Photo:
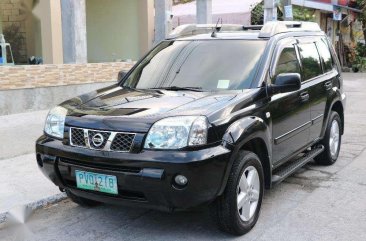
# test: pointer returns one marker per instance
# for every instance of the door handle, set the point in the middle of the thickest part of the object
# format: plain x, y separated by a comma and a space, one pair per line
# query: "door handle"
304, 96
328, 85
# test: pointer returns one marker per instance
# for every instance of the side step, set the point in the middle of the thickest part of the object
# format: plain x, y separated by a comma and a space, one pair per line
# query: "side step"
287, 169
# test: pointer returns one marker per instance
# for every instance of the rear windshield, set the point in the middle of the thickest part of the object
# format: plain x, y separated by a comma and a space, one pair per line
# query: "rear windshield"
207, 64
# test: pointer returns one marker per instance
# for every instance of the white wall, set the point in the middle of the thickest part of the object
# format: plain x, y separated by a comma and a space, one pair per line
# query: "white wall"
112, 30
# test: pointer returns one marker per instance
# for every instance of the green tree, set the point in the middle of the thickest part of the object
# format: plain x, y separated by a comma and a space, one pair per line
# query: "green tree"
300, 13
257, 13
16, 39
176, 2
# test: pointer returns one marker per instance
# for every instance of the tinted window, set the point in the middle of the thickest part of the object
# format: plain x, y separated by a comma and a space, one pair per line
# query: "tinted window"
209, 64
310, 61
287, 62
325, 55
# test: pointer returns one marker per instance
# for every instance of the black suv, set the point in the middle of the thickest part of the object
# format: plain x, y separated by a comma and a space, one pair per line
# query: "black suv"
212, 115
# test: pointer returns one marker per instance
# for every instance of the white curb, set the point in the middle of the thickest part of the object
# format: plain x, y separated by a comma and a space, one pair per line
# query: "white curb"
38, 204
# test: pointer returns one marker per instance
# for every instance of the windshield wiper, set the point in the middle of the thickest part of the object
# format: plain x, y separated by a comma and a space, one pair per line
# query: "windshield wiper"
177, 88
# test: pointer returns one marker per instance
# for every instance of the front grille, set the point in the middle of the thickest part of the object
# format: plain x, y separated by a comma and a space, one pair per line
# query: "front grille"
77, 137
97, 165
122, 142
102, 143
101, 140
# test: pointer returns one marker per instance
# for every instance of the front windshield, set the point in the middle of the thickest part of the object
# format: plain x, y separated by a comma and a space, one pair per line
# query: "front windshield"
205, 64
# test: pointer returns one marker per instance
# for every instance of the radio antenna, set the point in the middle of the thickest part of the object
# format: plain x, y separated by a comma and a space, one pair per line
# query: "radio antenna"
217, 28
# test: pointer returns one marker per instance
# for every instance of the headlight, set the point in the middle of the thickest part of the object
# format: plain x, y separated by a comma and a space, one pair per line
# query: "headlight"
177, 132
55, 122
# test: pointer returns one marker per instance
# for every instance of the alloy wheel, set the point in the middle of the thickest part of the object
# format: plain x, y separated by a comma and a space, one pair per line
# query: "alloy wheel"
334, 139
248, 193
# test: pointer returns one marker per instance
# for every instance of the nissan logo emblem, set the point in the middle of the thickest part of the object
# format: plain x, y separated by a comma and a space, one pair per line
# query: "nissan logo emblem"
98, 140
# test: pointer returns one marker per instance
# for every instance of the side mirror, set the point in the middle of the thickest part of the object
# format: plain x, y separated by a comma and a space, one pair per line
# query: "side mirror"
121, 75
285, 83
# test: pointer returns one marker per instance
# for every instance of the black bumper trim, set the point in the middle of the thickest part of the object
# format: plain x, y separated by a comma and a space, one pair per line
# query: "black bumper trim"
143, 178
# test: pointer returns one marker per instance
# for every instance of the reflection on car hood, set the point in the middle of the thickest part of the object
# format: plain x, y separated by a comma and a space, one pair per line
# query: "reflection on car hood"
144, 106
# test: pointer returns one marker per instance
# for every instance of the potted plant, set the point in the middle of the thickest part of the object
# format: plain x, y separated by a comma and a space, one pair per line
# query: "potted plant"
359, 63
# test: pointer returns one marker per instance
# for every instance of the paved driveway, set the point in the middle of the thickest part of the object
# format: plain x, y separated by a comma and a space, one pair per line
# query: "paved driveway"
317, 203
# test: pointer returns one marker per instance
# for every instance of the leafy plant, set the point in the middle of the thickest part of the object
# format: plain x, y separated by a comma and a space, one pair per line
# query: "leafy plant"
359, 62
15, 38
303, 13
176, 2
361, 4
257, 13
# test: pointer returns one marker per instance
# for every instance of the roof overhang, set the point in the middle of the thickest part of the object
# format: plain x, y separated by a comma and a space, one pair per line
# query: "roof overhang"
322, 6
313, 4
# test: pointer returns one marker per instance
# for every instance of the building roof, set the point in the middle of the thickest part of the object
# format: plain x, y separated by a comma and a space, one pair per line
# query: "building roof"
325, 6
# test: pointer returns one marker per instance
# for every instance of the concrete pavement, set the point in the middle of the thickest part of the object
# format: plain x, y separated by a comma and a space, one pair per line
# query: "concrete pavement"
312, 205
21, 182
317, 203
20, 132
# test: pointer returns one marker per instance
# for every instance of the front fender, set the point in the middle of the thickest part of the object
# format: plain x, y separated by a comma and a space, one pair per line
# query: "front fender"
241, 132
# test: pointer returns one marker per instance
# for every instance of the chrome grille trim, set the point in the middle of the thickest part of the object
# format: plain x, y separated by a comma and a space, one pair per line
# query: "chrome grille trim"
120, 142
107, 146
77, 137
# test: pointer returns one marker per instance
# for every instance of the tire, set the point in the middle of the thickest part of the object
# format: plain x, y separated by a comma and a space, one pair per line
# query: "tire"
225, 211
331, 149
82, 201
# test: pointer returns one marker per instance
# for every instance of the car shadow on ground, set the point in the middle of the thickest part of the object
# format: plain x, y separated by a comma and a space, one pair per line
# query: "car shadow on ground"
66, 220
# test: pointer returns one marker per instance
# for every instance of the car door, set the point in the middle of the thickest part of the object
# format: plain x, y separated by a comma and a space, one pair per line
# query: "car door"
322, 88
290, 112
316, 78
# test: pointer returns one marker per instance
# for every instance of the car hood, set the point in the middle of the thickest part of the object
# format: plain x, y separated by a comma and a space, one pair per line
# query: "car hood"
136, 110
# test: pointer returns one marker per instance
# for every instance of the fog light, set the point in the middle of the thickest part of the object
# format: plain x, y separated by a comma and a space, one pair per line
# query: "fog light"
181, 180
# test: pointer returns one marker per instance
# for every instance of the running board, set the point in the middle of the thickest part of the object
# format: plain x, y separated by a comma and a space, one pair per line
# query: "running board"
289, 168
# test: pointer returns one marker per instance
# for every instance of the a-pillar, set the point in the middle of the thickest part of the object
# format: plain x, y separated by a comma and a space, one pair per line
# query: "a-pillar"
204, 11
74, 31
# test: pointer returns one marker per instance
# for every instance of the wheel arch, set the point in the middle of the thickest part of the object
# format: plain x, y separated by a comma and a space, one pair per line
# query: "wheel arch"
258, 146
250, 134
338, 107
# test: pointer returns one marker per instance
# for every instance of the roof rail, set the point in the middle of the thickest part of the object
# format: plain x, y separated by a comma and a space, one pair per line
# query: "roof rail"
266, 31
193, 29
276, 27
253, 27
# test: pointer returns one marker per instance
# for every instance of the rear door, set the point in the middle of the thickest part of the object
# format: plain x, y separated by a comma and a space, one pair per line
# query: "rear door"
318, 75
290, 112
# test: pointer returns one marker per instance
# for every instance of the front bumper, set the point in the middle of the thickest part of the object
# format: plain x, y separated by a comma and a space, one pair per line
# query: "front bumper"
144, 179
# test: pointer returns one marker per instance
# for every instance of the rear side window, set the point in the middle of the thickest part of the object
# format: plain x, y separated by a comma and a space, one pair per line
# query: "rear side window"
310, 61
325, 55
287, 62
